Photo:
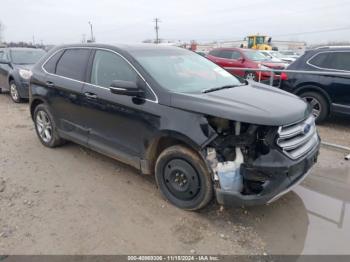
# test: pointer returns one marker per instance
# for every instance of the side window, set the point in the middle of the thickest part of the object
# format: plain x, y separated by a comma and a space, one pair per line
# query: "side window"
236, 55
225, 54
50, 65
108, 67
73, 63
320, 60
214, 53
339, 61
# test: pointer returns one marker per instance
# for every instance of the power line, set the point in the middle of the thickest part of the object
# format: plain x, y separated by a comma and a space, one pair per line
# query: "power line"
316, 32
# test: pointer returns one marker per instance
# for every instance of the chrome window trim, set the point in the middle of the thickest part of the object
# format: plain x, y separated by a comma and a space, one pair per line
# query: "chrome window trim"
341, 105
325, 68
104, 49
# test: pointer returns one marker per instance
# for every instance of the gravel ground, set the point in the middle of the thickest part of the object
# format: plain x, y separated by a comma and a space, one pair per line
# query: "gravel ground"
71, 200
336, 130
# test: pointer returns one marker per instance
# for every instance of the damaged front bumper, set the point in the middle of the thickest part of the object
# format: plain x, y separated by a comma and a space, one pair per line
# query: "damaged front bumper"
277, 174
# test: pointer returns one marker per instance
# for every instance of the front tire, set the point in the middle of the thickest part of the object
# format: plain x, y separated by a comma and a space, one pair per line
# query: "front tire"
46, 127
183, 178
320, 106
15, 96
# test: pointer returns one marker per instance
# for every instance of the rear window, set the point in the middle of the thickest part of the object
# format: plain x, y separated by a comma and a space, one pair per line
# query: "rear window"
320, 60
339, 61
50, 65
225, 54
214, 52
332, 60
73, 64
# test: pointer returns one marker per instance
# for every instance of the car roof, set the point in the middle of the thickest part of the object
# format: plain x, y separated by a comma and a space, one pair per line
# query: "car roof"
125, 47
235, 49
332, 48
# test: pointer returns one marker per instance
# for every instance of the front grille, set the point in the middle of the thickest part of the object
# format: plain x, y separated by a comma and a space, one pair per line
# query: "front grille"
298, 139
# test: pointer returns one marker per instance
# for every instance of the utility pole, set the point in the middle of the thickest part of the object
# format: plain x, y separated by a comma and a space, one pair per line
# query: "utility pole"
33, 40
83, 39
1, 27
157, 21
92, 40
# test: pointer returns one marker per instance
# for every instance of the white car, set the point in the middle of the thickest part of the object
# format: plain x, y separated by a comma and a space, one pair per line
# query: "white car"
278, 55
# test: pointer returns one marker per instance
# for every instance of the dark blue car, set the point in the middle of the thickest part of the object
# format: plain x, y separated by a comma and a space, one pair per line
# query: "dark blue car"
326, 94
15, 65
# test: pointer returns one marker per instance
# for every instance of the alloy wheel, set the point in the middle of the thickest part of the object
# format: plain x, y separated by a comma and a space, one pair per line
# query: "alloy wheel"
315, 104
14, 92
44, 126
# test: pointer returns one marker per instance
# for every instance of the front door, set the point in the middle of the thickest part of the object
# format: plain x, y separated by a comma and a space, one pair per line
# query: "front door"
118, 125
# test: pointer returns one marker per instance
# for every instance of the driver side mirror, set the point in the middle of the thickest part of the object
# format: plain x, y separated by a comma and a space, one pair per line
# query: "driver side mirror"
126, 88
241, 59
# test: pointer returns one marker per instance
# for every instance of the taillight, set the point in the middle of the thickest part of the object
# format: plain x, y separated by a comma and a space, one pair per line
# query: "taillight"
284, 76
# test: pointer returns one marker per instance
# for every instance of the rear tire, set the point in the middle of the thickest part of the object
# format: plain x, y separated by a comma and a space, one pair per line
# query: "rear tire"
183, 178
319, 104
46, 127
14, 94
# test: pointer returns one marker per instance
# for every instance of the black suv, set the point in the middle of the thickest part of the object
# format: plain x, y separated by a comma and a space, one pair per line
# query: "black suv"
326, 94
171, 112
15, 65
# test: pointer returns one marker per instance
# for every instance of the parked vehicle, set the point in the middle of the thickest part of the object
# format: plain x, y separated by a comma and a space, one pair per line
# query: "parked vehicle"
174, 113
290, 53
326, 94
15, 64
280, 56
271, 58
244, 58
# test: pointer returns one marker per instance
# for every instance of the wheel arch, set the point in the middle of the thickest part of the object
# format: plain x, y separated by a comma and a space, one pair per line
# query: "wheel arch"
313, 87
11, 78
35, 102
164, 140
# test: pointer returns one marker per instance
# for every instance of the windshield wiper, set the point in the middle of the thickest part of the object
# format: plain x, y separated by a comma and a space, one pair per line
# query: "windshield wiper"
218, 88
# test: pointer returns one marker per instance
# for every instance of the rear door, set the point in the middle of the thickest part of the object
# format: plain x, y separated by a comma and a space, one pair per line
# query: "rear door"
65, 86
340, 85
231, 58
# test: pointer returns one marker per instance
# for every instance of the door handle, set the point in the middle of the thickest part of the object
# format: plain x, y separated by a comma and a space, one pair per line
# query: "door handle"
49, 84
90, 95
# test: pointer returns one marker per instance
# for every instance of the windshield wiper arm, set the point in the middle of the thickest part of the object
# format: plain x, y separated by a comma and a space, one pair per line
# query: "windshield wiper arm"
218, 88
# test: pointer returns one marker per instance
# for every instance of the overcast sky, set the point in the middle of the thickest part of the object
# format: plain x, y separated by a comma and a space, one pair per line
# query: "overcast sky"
117, 21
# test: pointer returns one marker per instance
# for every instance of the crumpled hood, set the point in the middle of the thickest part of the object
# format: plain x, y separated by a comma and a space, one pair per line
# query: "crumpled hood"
254, 103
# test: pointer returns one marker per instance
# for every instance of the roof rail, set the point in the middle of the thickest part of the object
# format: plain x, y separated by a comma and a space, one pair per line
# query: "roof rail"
333, 46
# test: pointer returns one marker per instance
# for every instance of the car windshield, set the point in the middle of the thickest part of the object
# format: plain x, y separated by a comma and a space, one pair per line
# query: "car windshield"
255, 55
30, 56
183, 71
